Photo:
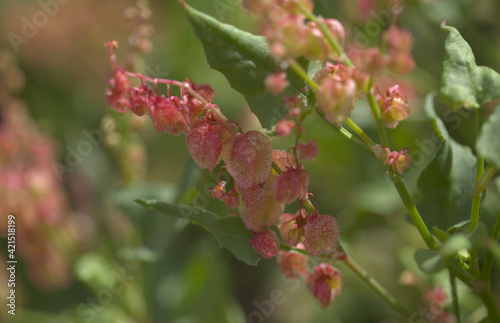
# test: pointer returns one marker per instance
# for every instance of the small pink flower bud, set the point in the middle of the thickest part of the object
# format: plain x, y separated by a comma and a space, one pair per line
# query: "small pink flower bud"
321, 234
265, 243
325, 283
195, 106
284, 127
292, 264
399, 160
316, 45
436, 296
219, 190
401, 62
276, 83
372, 61
336, 29
308, 150
394, 107
335, 98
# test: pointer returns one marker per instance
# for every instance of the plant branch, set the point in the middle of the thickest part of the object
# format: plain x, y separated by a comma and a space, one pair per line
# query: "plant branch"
454, 296
377, 116
412, 210
488, 258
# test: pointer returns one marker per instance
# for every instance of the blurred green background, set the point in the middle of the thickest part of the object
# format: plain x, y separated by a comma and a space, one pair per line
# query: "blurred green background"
128, 264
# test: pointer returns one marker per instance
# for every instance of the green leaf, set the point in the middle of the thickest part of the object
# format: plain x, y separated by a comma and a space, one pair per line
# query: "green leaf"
455, 244
229, 231
245, 61
447, 182
429, 261
488, 143
463, 83
441, 234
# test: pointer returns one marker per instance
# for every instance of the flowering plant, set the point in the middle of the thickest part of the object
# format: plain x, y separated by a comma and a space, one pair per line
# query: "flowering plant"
299, 68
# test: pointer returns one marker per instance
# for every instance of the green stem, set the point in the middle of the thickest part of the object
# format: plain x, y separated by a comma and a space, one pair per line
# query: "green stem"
359, 131
326, 32
303, 74
488, 174
476, 198
491, 305
454, 296
375, 285
412, 210
488, 258
377, 116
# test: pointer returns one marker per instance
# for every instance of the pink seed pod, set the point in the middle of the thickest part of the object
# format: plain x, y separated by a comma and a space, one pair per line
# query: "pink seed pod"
265, 243
292, 264
248, 158
321, 234
219, 190
284, 127
394, 106
292, 227
325, 282
308, 150
168, 116
259, 208
118, 96
283, 159
142, 99
205, 145
291, 184
231, 199
194, 105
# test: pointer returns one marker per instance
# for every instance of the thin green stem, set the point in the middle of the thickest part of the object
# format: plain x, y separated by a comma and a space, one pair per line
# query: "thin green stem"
488, 174
334, 45
476, 198
491, 305
303, 74
359, 131
476, 202
412, 210
454, 296
377, 117
375, 285
488, 258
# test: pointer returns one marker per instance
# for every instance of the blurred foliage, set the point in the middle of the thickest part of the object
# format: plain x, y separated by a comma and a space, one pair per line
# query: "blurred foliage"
142, 267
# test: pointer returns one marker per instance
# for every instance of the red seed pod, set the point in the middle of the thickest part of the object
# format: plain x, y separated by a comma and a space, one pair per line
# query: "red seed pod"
195, 106
142, 99
325, 283
265, 243
259, 207
248, 158
292, 265
118, 96
292, 227
283, 159
321, 234
291, 184
308, 150
231, 199
168, 116
205, 145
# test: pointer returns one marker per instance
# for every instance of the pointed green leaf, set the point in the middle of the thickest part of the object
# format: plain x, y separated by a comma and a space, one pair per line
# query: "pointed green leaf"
441, 234
463, 83
245, 61
488, 143
230, 232
429, 261
447, 182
